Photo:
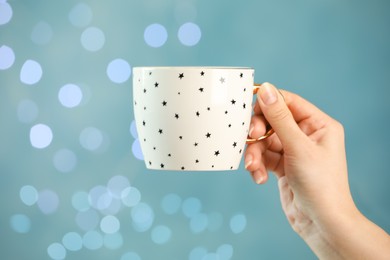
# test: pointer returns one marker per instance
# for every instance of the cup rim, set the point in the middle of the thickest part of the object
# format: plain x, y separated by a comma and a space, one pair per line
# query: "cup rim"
193, 68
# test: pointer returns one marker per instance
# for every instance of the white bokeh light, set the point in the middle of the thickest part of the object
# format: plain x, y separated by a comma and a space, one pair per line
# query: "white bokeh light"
118, 71
171, 203
191, 206
41, 33
5, 12
20, 223
225, 252
28, 195
142, 216
92, 240
130, 256
27, 111
56, 251
80, 201
197, 253
198, 223
131, 196
113, 241
31, 72
155, 35
87, 220
70, 95
7, 57
80, 15
238, 223
116, 185
91, 138
92, 39
136, 149
40, 136
189, 34
72, 241
110, 224
48, 201
64, 160
161, 234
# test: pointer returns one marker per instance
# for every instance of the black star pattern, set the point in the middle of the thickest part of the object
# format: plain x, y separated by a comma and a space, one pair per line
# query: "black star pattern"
177, 116
164, 103
144, 108
144, 90
195, 144
233, 102
208, 135
181, 137
156, 85
231, 167
216, 153
241, 75
178, 93
230, 125
202, 73
234, 144
181, 75
144, 139
222, 80
208, 108
201, 89
212, 166
240, 151
169, 155
197, 113
196, 161
243, 123
135, 103
150, 73
160, 131
244, 89
162, 166
154, 148
143, 123
150, 163
226, 112
183, 168
244, 105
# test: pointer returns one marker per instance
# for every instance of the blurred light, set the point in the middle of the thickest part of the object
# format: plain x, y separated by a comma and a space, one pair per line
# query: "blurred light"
31, 72
41, 33
215, 220
99, 197
91, 138
80, 201
113, 241
238, 223
136, 149
92, 39
70, 95
118, 71
7, 57
116, 185
189, 34
56, 251
27, 111
48, 201
142, 216
110, 224
5, 13
155, 35
130, 256
72, 241
28, 195
161, 234
225, 252
171, 203
131, 196
93, 240
114, 206
20, 223
80, 15
40, 136
65, 160
87, 220
133, 129
197, 253
191, 207
198, 223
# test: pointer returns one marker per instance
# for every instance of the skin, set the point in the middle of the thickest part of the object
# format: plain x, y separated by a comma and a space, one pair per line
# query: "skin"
307, 154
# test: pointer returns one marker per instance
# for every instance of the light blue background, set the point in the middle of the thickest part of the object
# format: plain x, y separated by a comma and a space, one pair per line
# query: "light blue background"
334, 53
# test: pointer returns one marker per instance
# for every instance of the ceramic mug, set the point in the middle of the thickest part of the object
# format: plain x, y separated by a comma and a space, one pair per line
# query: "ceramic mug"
193, 118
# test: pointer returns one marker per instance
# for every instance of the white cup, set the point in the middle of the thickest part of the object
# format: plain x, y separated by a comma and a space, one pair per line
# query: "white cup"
193, 118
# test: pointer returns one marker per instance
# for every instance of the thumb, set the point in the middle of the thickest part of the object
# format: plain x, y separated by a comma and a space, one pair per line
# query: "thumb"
279, 116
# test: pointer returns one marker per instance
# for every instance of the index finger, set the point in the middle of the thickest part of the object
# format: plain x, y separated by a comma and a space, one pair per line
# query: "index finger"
300, 108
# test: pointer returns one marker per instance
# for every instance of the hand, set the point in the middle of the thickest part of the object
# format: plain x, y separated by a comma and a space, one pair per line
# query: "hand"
307, 155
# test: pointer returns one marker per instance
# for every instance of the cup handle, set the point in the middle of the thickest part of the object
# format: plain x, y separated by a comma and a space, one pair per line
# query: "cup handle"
269, 130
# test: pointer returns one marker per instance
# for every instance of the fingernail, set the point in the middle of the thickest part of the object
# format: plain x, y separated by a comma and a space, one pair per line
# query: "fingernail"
268, 94
259, 180
248, 160
251, 128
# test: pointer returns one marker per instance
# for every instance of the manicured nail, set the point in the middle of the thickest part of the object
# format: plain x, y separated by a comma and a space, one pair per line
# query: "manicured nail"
259, 180
268, 94
248, 160
251, 128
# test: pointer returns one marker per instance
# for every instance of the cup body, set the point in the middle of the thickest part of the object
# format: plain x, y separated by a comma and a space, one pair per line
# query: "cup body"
192, 118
